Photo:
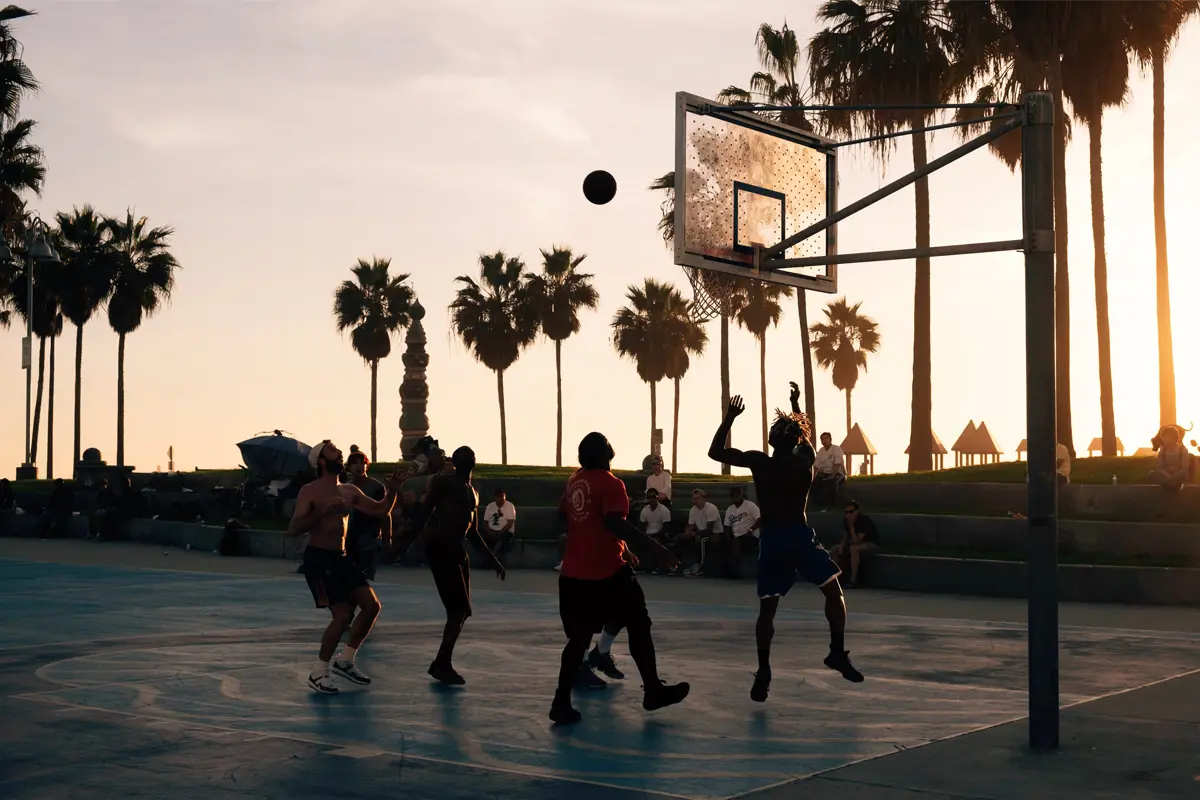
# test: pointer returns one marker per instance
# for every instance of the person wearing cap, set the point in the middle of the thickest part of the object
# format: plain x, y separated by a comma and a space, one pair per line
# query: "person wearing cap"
336, 582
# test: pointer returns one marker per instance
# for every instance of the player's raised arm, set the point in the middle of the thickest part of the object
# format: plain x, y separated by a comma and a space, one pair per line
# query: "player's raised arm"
717, 451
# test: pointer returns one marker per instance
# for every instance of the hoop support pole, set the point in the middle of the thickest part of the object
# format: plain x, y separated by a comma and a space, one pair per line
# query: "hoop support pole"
895, 255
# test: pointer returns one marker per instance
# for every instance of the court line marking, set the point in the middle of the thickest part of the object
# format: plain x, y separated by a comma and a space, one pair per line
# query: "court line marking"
1061, 708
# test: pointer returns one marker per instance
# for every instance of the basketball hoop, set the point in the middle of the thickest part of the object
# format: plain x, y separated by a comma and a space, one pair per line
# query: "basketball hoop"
713, 293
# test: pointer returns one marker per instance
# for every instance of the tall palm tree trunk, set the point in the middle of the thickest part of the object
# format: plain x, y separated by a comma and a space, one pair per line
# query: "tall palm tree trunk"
849, 425
1166, 347
121, 400
1062, 284
558, 388
675, 431
37, 402
920, 435
78, 392
762, 386
503, 418
653, 412
810, 400
50, 417
374, 404
1108, 427
725, 382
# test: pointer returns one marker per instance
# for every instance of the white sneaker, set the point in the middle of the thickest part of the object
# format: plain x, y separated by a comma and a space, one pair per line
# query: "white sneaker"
322, 684
350, 671
558, 567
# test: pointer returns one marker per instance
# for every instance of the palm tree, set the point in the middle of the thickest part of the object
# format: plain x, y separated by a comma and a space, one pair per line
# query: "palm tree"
1096, 76
15, 77
558, 293
780, 83
691, 340
496, 320
761, 312
841, 345
22, 169
142, 279
1018, 47
375, 305
1153, 29
46, 323
656, 320
892, 52
87, 272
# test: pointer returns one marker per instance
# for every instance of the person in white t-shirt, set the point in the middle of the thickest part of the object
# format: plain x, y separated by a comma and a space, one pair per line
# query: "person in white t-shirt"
660, 481
655, 519
703, 521
500, 517
829, 472
740, 534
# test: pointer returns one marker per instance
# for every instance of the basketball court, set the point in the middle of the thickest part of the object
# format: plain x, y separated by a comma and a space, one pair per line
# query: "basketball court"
156, 683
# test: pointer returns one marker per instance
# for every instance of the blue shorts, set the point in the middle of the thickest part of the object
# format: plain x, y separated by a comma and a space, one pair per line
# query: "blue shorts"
785, 551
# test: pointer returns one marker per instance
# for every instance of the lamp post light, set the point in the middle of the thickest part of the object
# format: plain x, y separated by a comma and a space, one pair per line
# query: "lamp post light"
37, 250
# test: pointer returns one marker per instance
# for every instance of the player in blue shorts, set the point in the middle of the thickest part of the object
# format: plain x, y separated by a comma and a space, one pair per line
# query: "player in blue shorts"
787, 544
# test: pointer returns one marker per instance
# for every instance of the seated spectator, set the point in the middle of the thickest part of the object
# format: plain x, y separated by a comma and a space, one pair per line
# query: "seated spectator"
829, 472
660, 481
500, 523
53, 521
102, 518
859, 537
655, 518
1172, 469
740, 535
1062, 464
703, 521
133, 502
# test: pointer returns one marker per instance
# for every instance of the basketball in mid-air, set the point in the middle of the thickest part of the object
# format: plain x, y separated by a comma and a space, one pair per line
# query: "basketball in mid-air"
599, 187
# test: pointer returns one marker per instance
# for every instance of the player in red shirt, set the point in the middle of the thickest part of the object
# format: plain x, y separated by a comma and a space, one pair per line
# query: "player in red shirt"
597, 586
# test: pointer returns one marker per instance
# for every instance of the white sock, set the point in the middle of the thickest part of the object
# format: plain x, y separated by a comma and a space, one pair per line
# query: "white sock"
605, 643
320, 669
348, 653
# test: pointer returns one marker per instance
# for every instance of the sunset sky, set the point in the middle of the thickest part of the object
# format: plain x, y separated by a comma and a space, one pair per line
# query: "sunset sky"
284, 140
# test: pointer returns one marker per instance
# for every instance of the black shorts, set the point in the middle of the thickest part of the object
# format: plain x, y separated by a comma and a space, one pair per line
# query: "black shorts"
332, 577
451, 568
587, 606
366, 560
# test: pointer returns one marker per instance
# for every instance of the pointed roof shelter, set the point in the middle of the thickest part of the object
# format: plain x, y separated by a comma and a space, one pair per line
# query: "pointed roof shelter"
985, 443
856, 443
963, 443
1143, 452
1097, 446
939, 450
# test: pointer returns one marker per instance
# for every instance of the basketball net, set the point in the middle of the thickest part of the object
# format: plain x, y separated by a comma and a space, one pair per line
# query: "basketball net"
713, 293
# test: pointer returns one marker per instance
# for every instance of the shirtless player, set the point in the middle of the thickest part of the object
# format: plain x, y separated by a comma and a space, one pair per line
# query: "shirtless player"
453, 508
336, 582
787, 544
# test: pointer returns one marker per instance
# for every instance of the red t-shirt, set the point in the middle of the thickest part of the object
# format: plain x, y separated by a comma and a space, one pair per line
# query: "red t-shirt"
593, 553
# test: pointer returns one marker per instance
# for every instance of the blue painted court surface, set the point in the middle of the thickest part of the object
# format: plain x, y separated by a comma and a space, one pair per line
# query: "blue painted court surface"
155, 683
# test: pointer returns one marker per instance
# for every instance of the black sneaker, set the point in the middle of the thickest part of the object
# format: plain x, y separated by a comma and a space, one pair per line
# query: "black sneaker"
605, 663
444, 673
322, 684
586, 679
762, 685
840, 662
564, 714
665, 695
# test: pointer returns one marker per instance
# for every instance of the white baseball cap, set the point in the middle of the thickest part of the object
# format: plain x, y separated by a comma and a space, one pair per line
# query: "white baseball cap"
315, 453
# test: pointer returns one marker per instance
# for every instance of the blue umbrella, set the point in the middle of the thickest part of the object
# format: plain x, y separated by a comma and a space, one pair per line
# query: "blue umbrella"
275, 455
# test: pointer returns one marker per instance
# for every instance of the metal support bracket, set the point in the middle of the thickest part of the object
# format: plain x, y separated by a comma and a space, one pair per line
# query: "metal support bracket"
1040, 241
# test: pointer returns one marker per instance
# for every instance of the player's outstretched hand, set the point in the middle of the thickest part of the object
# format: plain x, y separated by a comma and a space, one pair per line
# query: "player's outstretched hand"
736, 407
795, 394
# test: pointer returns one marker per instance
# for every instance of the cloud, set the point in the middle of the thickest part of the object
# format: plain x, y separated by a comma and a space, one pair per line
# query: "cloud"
183, 128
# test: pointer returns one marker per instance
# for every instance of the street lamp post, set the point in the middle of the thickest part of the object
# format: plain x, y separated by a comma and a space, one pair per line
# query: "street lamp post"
37, 250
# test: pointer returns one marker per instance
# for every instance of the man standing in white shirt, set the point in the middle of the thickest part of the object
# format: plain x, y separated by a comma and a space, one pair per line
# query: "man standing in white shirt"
829, 472
660, 481
655, 518
703, 521
501, 519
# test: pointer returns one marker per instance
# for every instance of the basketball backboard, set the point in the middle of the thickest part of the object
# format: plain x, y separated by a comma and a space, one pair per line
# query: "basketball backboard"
742, 180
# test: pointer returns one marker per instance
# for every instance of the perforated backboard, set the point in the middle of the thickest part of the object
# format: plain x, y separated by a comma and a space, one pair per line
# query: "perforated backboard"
741, 180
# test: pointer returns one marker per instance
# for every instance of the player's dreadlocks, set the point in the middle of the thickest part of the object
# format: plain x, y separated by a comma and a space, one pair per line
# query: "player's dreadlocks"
791, 424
